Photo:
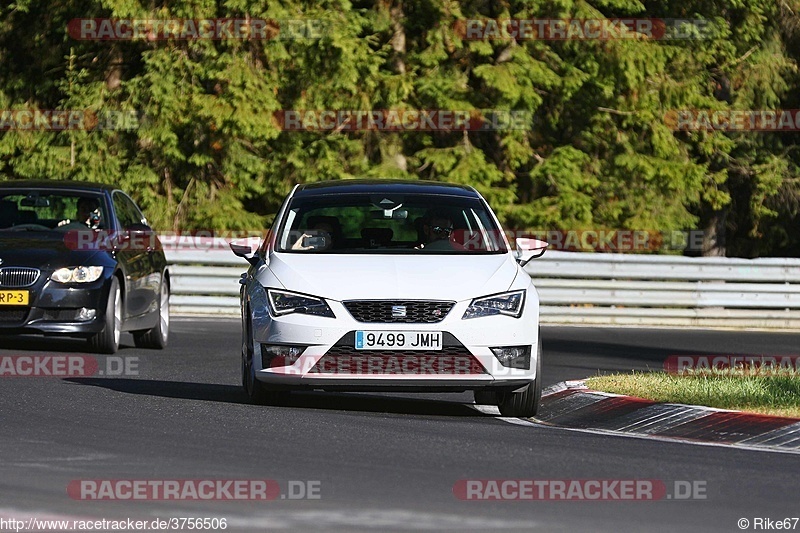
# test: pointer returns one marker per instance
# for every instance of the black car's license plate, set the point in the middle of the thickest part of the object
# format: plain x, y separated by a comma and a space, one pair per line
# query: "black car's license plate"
14, 297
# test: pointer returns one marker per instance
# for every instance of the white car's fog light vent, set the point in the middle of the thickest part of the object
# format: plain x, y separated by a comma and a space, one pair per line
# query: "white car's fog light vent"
275, 355
513, 356
399, 311
18, 276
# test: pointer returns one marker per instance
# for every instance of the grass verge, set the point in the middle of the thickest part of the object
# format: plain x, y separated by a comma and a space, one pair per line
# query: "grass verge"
775, 394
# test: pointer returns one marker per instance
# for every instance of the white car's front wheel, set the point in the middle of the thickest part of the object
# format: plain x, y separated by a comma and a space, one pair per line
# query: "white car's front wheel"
257, 393
524, 404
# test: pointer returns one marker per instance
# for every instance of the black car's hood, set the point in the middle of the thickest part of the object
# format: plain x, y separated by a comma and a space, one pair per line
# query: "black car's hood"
42, 250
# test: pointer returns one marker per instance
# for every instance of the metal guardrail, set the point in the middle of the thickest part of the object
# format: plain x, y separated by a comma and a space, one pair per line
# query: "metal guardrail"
574, 288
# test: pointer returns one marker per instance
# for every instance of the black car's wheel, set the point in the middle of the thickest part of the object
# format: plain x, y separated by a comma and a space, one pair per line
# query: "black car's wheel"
257, 393
157, 336
107, 340
526, 403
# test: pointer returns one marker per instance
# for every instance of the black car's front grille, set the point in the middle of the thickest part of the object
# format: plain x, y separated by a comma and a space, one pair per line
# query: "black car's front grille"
18, 276
398, 311
13, 315
59, 315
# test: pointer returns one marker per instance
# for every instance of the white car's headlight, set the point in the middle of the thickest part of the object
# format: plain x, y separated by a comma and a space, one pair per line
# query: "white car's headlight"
80, 274
285, 302
507, 303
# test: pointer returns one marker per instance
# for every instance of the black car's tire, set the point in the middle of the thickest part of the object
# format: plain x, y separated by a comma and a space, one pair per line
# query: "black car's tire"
256, 392
156, 337
525, 404
107, 340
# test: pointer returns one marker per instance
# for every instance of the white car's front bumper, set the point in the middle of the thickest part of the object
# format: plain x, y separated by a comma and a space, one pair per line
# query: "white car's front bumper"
330, 360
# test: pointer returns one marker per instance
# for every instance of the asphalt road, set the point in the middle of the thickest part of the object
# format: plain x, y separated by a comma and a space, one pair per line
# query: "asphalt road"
382, 462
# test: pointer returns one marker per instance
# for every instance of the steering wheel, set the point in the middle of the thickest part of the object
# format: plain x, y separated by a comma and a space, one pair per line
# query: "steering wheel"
72, 226
464, 240
29, 226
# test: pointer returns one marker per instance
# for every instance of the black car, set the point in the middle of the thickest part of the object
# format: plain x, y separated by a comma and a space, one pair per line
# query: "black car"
79, 259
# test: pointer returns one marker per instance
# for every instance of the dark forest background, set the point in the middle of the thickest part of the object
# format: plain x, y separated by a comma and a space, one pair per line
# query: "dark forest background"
208, 152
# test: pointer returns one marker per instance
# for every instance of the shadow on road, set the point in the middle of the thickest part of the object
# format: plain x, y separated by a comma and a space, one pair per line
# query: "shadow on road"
34, 343
578, 353
167, 389
369, 403
642, 354
330, 401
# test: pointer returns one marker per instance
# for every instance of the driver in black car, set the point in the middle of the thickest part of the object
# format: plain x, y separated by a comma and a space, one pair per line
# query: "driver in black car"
88, 213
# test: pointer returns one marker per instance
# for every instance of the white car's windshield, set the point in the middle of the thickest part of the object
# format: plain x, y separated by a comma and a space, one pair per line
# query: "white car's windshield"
404, 224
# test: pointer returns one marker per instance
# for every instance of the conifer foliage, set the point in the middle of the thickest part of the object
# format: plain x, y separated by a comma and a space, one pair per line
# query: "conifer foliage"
199, 146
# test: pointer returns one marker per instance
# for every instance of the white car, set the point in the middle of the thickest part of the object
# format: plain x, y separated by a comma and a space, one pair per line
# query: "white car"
381, 285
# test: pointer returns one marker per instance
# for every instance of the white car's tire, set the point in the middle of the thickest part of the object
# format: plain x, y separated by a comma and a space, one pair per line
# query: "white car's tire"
524, 404
257, 393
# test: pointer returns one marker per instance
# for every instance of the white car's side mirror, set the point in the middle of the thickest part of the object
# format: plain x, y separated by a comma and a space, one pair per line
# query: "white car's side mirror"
246, 248
535, 247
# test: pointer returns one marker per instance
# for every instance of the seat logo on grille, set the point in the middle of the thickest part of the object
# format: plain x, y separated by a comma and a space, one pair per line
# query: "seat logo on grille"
398, 311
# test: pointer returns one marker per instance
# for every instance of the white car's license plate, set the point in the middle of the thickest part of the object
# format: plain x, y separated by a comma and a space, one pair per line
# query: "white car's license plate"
399, 340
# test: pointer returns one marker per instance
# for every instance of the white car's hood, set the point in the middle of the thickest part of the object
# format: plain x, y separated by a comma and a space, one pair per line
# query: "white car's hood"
434, 277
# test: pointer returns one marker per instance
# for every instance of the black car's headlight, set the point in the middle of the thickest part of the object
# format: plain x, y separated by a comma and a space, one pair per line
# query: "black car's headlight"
79, 274
286, 302
507, 303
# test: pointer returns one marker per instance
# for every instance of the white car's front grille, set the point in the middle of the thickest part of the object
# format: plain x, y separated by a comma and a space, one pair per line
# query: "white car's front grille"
450, 361
398, 311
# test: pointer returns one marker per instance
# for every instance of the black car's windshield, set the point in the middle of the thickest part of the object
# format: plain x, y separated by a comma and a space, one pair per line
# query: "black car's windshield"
393, 223
51, 211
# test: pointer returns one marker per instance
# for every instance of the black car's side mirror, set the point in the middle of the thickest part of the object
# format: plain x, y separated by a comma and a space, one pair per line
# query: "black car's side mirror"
139, 228
137, 237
